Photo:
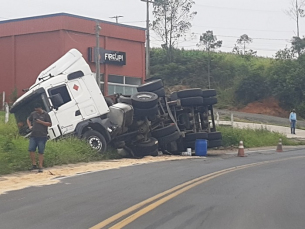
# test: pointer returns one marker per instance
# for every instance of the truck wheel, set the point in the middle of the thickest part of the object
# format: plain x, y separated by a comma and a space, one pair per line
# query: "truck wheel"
150, 86
160, 92
155, 153
191, 101
169, 138
214, 143
214, 136
208, 93
190, 144
164, 131
144, 100
149, 112
96, 140
173, 96
194, 92
209, 101
144, 148
193, 136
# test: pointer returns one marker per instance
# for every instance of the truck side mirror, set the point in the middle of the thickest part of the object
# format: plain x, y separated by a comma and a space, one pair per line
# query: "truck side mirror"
56, 100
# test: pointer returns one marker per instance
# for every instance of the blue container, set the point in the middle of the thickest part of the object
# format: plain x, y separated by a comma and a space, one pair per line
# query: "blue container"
201, 146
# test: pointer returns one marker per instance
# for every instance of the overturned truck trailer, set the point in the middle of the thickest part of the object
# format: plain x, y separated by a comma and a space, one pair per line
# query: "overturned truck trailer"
138, 125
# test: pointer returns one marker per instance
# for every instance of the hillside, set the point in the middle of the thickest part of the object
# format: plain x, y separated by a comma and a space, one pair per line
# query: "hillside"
269, 106
252, 84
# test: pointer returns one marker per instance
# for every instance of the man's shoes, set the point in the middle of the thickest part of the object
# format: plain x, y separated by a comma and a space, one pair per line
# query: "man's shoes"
40, 170
34, 167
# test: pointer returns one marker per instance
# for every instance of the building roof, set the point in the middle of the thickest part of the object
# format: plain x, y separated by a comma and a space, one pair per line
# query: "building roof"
69, 15
69, 22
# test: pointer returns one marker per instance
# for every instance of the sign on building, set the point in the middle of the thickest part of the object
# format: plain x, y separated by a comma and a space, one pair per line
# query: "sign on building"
107, 56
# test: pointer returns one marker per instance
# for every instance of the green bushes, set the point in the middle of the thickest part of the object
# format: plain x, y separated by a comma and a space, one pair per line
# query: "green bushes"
14, 154
14, 150
237, 80
252, 138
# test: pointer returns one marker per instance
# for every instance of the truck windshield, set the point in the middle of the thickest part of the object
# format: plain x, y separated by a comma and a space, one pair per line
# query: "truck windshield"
26, 108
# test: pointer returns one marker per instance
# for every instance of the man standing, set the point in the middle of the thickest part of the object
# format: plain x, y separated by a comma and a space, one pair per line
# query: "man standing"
293, 120
38, 121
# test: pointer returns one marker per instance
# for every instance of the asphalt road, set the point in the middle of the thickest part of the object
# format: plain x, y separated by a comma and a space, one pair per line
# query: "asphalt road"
269, 194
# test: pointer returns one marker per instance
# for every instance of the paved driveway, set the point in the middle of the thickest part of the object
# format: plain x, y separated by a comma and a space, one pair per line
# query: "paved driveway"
300, 134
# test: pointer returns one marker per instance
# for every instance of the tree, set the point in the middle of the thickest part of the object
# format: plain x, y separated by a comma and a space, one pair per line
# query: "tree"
210, 43
296, 11
172, 21
298, 45
240, 47
285, 54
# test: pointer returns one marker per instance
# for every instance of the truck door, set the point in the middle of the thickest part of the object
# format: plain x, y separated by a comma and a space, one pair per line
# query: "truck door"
85, 102
67, 113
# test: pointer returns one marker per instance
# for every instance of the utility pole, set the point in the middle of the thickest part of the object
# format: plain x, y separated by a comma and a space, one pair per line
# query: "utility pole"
97, 54
147, 38
116, 18
209, 74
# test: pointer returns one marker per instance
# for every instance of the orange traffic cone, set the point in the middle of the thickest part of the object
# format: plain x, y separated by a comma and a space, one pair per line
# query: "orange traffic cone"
279, 147
241, 149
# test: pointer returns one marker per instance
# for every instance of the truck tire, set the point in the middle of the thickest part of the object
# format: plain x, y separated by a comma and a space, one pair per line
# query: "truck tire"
155, 153
173, 96
209, 101
194, 92
144, 100
96, 141
189, 137
164, 131
160, 92
190, 144
169, 138
148, 112
214, 143
208, 93
214, 136
150, 86
191, 101
124, 99
145, 148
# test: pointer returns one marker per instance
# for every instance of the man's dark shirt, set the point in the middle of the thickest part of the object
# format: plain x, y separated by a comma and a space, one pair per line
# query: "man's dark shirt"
39, 130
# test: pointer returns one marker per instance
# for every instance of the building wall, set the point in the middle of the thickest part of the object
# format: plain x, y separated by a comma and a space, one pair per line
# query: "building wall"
6, 65
29, 46
34, 53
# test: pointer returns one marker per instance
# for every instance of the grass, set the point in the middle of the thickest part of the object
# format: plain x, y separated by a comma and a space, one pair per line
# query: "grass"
14, 150
253, 138
14, 154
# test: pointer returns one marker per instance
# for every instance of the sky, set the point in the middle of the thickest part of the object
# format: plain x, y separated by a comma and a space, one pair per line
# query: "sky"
265, 21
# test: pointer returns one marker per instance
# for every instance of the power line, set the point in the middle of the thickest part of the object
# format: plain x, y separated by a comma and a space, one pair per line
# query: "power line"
132, 21
256, 38
255, 49
239, 9
259, 30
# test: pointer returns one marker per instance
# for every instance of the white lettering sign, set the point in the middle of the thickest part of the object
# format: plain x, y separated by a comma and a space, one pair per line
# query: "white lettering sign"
114, 57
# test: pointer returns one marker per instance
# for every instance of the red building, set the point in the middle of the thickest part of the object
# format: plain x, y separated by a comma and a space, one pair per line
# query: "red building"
29, 45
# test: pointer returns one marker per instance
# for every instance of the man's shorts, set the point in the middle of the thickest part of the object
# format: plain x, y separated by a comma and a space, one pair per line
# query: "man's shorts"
37, 142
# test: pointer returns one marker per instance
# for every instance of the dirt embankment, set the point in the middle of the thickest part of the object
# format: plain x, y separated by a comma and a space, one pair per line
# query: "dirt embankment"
268, 106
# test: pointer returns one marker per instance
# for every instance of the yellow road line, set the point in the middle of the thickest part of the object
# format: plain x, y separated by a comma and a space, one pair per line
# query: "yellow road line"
147, 201
174, 192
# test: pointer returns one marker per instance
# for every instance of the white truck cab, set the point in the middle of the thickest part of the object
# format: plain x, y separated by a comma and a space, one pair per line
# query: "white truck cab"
67, 90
